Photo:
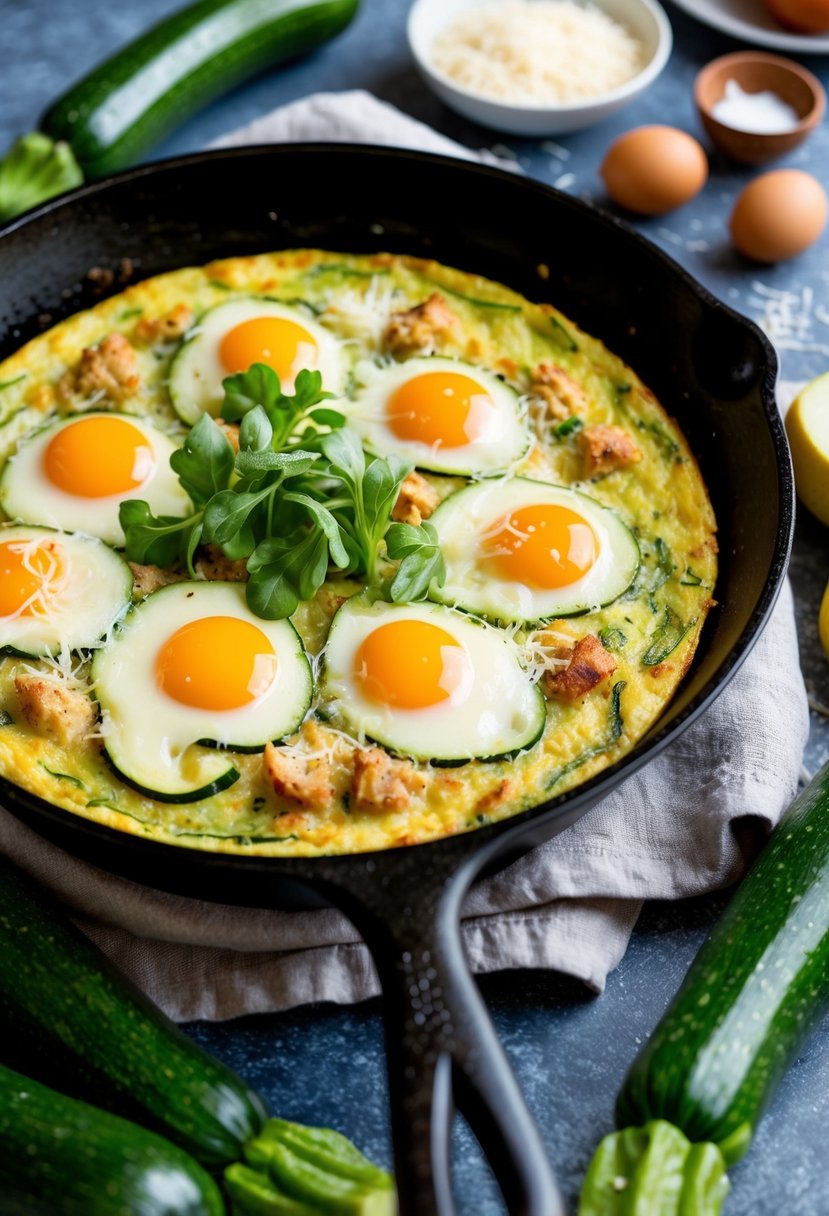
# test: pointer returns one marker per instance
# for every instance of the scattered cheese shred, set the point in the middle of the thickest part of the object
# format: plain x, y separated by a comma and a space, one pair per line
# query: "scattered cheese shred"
538, 51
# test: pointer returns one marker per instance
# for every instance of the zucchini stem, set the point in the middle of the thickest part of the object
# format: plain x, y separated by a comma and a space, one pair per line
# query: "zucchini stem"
654, 1169
34, 169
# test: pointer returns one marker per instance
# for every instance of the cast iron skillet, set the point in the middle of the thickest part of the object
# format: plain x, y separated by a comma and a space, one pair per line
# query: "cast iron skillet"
713, 370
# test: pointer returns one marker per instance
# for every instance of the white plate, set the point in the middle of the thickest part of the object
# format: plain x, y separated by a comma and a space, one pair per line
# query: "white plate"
748, 21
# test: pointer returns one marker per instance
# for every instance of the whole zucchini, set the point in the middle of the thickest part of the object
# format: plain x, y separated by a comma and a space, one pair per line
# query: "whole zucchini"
60, 1157
73, 1013
757, 988
116, 114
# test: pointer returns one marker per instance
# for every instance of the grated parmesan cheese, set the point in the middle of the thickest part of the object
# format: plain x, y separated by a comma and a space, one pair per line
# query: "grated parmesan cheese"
528, 51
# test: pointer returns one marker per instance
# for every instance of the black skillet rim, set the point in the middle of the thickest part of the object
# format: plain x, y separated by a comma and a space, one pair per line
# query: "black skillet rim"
583, 796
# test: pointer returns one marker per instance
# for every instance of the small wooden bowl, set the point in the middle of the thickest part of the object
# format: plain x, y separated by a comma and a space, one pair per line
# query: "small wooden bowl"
756, 71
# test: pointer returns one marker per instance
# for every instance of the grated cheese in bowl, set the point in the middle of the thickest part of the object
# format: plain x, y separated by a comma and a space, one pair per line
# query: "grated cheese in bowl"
525, 51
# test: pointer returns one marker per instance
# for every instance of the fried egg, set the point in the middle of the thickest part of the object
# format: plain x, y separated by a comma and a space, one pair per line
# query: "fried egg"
57, 591
429, 682
233, 336
442, 414
192, 670
74, 474
523, 550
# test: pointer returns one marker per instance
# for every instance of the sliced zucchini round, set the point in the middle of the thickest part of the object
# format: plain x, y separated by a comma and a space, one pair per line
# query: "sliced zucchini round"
75, 472
233, 336
429, 682
58, 591
442, 414
190, 675
523, 550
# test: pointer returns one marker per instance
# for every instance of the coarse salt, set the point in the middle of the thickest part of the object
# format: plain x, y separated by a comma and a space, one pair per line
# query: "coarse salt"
757, 113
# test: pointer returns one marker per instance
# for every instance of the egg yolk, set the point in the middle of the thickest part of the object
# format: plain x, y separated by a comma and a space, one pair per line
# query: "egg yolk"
98, 457
543, 545
279, 342
410, 665
441, 408
218, 662
28, 573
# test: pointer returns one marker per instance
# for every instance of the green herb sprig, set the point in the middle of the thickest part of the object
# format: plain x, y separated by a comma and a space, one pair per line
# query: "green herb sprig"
299, 497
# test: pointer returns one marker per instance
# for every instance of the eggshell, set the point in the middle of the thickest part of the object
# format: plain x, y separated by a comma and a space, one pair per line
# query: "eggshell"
652, 170
808, 16
779, 215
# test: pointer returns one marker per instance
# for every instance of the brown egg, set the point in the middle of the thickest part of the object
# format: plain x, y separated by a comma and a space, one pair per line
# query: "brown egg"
808, 16
779, 215
652, 170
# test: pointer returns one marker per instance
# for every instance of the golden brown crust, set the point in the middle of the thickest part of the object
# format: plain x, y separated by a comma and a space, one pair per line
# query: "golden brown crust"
420, 329
503, 791
416, 501
109, 368
382, 783
51, 709
606, 448
167, 328
589, 665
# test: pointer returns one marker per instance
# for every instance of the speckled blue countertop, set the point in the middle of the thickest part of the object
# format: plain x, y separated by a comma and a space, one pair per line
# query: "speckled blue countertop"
324, 1064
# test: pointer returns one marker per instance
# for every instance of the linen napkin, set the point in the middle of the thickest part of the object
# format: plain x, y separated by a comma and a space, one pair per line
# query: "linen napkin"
570, 905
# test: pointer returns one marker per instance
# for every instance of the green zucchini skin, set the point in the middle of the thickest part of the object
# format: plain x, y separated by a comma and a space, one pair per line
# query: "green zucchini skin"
58, 1155
116, 114
755, 991
82, 1026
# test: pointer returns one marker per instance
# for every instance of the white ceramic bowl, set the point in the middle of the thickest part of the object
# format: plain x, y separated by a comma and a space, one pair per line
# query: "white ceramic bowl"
646, 19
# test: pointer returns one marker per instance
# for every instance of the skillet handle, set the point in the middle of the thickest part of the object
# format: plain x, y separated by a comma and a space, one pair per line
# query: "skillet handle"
442, 1049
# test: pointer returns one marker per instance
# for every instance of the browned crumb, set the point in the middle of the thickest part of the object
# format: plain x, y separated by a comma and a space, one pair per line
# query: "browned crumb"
496, 797
420, 328
302, 779
51, 709
167, 328
416, 501
606, 448
148, 579
561, 394
589, 664
381, 783
110, 368
230, 430
212, 565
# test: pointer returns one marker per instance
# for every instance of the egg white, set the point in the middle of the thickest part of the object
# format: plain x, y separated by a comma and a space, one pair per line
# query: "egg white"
90, 593
149, 736
505, 439
27, 495
197, 372
495, 711
462, 520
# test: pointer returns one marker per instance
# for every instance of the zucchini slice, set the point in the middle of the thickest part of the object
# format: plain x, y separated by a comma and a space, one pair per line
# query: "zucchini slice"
429, 682
441, 414
191, 665
58, 590
523, 550
233, 336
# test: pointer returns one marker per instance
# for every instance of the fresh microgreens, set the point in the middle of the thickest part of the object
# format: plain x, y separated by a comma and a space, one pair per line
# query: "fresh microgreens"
204, 464
298, 497
421, 560
260, 388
